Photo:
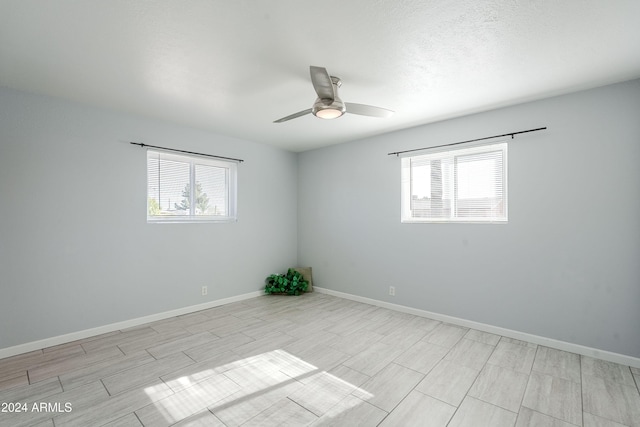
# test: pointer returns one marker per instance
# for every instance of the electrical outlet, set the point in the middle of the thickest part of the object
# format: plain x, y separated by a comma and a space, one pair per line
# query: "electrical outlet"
204, 290
392, 291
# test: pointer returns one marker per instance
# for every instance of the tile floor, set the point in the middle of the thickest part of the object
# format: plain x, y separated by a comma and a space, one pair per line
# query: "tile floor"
312, 360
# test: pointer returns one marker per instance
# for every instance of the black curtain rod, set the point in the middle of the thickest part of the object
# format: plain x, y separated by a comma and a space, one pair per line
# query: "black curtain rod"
188, 152
397, 153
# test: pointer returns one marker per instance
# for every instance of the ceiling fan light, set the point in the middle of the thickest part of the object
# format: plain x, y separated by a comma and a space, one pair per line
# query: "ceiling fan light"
329, 113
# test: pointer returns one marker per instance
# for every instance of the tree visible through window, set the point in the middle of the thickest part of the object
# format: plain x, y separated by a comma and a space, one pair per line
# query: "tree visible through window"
174, 181
202, 201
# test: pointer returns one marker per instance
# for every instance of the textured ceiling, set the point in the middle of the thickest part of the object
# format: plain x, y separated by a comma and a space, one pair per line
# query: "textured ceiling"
235, 66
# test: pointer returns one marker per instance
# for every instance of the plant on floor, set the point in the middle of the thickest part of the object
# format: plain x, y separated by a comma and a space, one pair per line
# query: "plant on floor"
291, 283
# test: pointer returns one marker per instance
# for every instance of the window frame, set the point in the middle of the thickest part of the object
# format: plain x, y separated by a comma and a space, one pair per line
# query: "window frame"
406, 210
231, 179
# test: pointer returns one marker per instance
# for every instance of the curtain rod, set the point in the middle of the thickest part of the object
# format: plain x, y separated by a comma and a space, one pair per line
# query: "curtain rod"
397, 153
188, 152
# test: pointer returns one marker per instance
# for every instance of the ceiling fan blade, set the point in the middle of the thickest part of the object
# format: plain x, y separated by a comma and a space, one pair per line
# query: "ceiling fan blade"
322, 84
294, 116
367, 110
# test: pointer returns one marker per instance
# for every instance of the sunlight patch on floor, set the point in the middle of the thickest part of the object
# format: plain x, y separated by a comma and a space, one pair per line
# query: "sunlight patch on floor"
237, 391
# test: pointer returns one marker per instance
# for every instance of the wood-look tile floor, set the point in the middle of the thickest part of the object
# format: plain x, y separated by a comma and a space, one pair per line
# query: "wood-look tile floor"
312, 360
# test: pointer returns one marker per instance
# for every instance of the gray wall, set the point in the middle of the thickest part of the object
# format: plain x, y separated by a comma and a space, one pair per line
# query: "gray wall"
567, 264
75, 249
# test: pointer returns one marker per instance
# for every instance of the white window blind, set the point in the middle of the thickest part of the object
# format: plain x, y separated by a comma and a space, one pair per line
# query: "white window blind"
189, 188
463, 185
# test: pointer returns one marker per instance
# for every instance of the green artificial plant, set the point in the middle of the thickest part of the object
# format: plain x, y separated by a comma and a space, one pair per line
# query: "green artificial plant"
291, 283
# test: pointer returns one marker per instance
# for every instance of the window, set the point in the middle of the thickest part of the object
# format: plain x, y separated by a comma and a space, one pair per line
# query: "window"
174, 181
464, 185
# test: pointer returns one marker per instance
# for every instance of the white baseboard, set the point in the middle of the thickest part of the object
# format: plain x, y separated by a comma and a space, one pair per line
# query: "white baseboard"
548, 342
523, 336
74, 336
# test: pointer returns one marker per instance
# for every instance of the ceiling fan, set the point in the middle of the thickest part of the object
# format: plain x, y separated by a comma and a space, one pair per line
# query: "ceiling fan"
328, 105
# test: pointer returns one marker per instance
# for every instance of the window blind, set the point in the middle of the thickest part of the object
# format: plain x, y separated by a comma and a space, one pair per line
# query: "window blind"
183, 188
456, 185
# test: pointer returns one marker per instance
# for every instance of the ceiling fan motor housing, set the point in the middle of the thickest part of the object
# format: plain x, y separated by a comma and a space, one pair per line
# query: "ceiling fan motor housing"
327, 108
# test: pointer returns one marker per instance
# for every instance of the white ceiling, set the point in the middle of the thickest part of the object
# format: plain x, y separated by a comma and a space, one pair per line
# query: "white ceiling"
235, 66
